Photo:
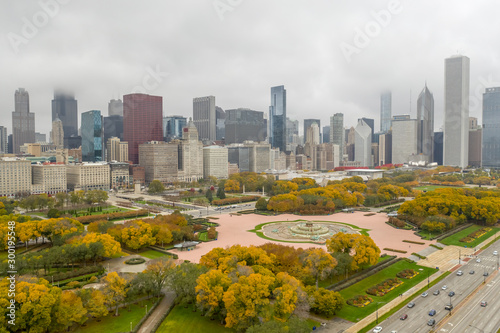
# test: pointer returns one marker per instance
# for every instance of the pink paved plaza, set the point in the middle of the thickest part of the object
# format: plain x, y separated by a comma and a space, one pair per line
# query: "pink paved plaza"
233, 230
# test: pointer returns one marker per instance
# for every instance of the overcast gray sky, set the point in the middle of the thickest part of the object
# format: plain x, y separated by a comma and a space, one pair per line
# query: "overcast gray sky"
237, 49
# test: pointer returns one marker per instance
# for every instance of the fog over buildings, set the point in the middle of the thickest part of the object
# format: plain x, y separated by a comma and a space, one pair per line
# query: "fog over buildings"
331, 56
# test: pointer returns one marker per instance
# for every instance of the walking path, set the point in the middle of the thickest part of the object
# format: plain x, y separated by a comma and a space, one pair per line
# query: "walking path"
158, 312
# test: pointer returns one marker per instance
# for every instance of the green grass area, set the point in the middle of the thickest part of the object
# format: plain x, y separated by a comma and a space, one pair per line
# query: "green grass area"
455, 238
354, 314
110, 209
203, 236
395, 309
184, 320
152, 254
427, 235
328, 282
112, 324
433, 187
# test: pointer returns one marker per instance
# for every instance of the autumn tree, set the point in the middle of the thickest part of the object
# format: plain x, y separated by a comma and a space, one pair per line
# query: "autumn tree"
70, 310
390, 192
361, 248
158, 272
284, 186
231, 185
318, 263
284, 203
110, 246
115, 290
139, 234
326, 302
183, 282
210, 289
248, 300
94, 302
287, 293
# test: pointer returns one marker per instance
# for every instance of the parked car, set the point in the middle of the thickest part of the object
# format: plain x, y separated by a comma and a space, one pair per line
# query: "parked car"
377, 329
459, 273
436, 292
411, 304
431, 322
451, 293
403, 317
425, 294
484, 303
432, 312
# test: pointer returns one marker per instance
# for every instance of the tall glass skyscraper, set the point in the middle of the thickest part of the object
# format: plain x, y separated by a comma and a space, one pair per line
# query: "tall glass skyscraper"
65, 107
337, 132
277, 118
456, 111
425, 117
92, 136
491, 128
23, 121
172, 127
385, 111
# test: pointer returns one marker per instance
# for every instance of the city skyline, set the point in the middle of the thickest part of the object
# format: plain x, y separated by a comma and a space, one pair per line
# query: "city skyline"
98, 66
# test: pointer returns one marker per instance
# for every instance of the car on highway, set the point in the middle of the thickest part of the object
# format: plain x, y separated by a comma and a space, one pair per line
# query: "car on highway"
403, 317
444, 287
436, 292
432, 312
485, 274
459, 273
484, 303
472, 272
495, 253
478, 260
425, 294
451, 293
377, 329
448, 306
410, 305
431, 322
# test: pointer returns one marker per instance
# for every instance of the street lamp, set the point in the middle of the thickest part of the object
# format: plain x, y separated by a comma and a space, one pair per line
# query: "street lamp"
459, 255
377, 311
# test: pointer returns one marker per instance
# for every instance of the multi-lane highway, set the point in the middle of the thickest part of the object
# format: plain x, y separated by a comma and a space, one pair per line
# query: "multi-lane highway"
463, 286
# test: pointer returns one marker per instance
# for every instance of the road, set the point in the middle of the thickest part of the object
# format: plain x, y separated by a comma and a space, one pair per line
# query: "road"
463, 286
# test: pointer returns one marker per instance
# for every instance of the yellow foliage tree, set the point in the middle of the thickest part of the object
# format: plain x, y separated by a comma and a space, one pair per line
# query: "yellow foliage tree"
318, 263
115, 290
284, 203
138, 235
70, 310
210, 289
111, 247
232, 185
361, 248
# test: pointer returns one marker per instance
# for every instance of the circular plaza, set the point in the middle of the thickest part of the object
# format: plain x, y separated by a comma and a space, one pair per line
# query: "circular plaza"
302, 230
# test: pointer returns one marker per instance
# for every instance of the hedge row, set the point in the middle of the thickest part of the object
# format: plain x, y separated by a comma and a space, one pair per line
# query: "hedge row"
419, 255
437, 247
229, 201
75, 273
413, 242
394, 250
112, 216
355, 278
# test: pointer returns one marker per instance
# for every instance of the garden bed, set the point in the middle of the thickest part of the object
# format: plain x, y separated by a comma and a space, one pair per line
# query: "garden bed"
359, 301
384, 287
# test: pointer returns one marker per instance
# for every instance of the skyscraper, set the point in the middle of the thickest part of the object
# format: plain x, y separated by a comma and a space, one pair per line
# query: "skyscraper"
337, 132
425, 117
92, 136
115, 107
220, 123
172, 127
292, 130
370, 122
23, 121
385, 111
405, 138
308, 123
3, 140
204, 117
65, 107
326, 134
245, 124
142, 121
57, 133
456, 111
190, 155
491, 125
363, 143
277, 118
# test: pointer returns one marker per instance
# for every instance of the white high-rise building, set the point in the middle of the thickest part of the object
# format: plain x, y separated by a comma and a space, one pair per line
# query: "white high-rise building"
456, 111
204, 117
385, 111
215, 162
404, 134
363, 144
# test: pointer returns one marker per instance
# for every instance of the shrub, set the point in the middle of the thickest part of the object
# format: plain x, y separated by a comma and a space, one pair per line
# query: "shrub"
359, 301
419, 255
112, 216
407, 274
413, 242
73, 284
135, 261
397, 222
230, 201
53, 213
394, 250
77, 272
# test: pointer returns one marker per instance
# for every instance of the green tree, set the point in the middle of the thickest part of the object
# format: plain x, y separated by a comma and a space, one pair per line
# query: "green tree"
156, 187
220, 191
292, 325
158, 272
261, 204
318, 263
183, 282
209, 195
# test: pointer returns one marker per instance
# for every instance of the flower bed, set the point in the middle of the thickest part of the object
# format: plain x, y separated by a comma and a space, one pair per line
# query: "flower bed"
359, 301
135, 261
384, 287
474, 235
407, 274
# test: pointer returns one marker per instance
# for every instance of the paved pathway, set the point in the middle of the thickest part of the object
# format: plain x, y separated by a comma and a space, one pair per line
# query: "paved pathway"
158, 313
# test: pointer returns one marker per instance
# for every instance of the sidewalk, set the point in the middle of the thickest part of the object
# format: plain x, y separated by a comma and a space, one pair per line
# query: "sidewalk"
158, 313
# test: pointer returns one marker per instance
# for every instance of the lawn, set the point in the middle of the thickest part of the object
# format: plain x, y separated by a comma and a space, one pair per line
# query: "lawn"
152, 254
184, 320
455, 238
433, 187
109, 209
354, 314
112, 324
427, 235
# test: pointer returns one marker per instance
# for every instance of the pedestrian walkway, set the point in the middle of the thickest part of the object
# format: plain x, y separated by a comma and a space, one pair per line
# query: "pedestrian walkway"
158, 312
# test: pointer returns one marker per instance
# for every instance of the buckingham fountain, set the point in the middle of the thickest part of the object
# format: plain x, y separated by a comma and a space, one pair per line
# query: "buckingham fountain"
304, 231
